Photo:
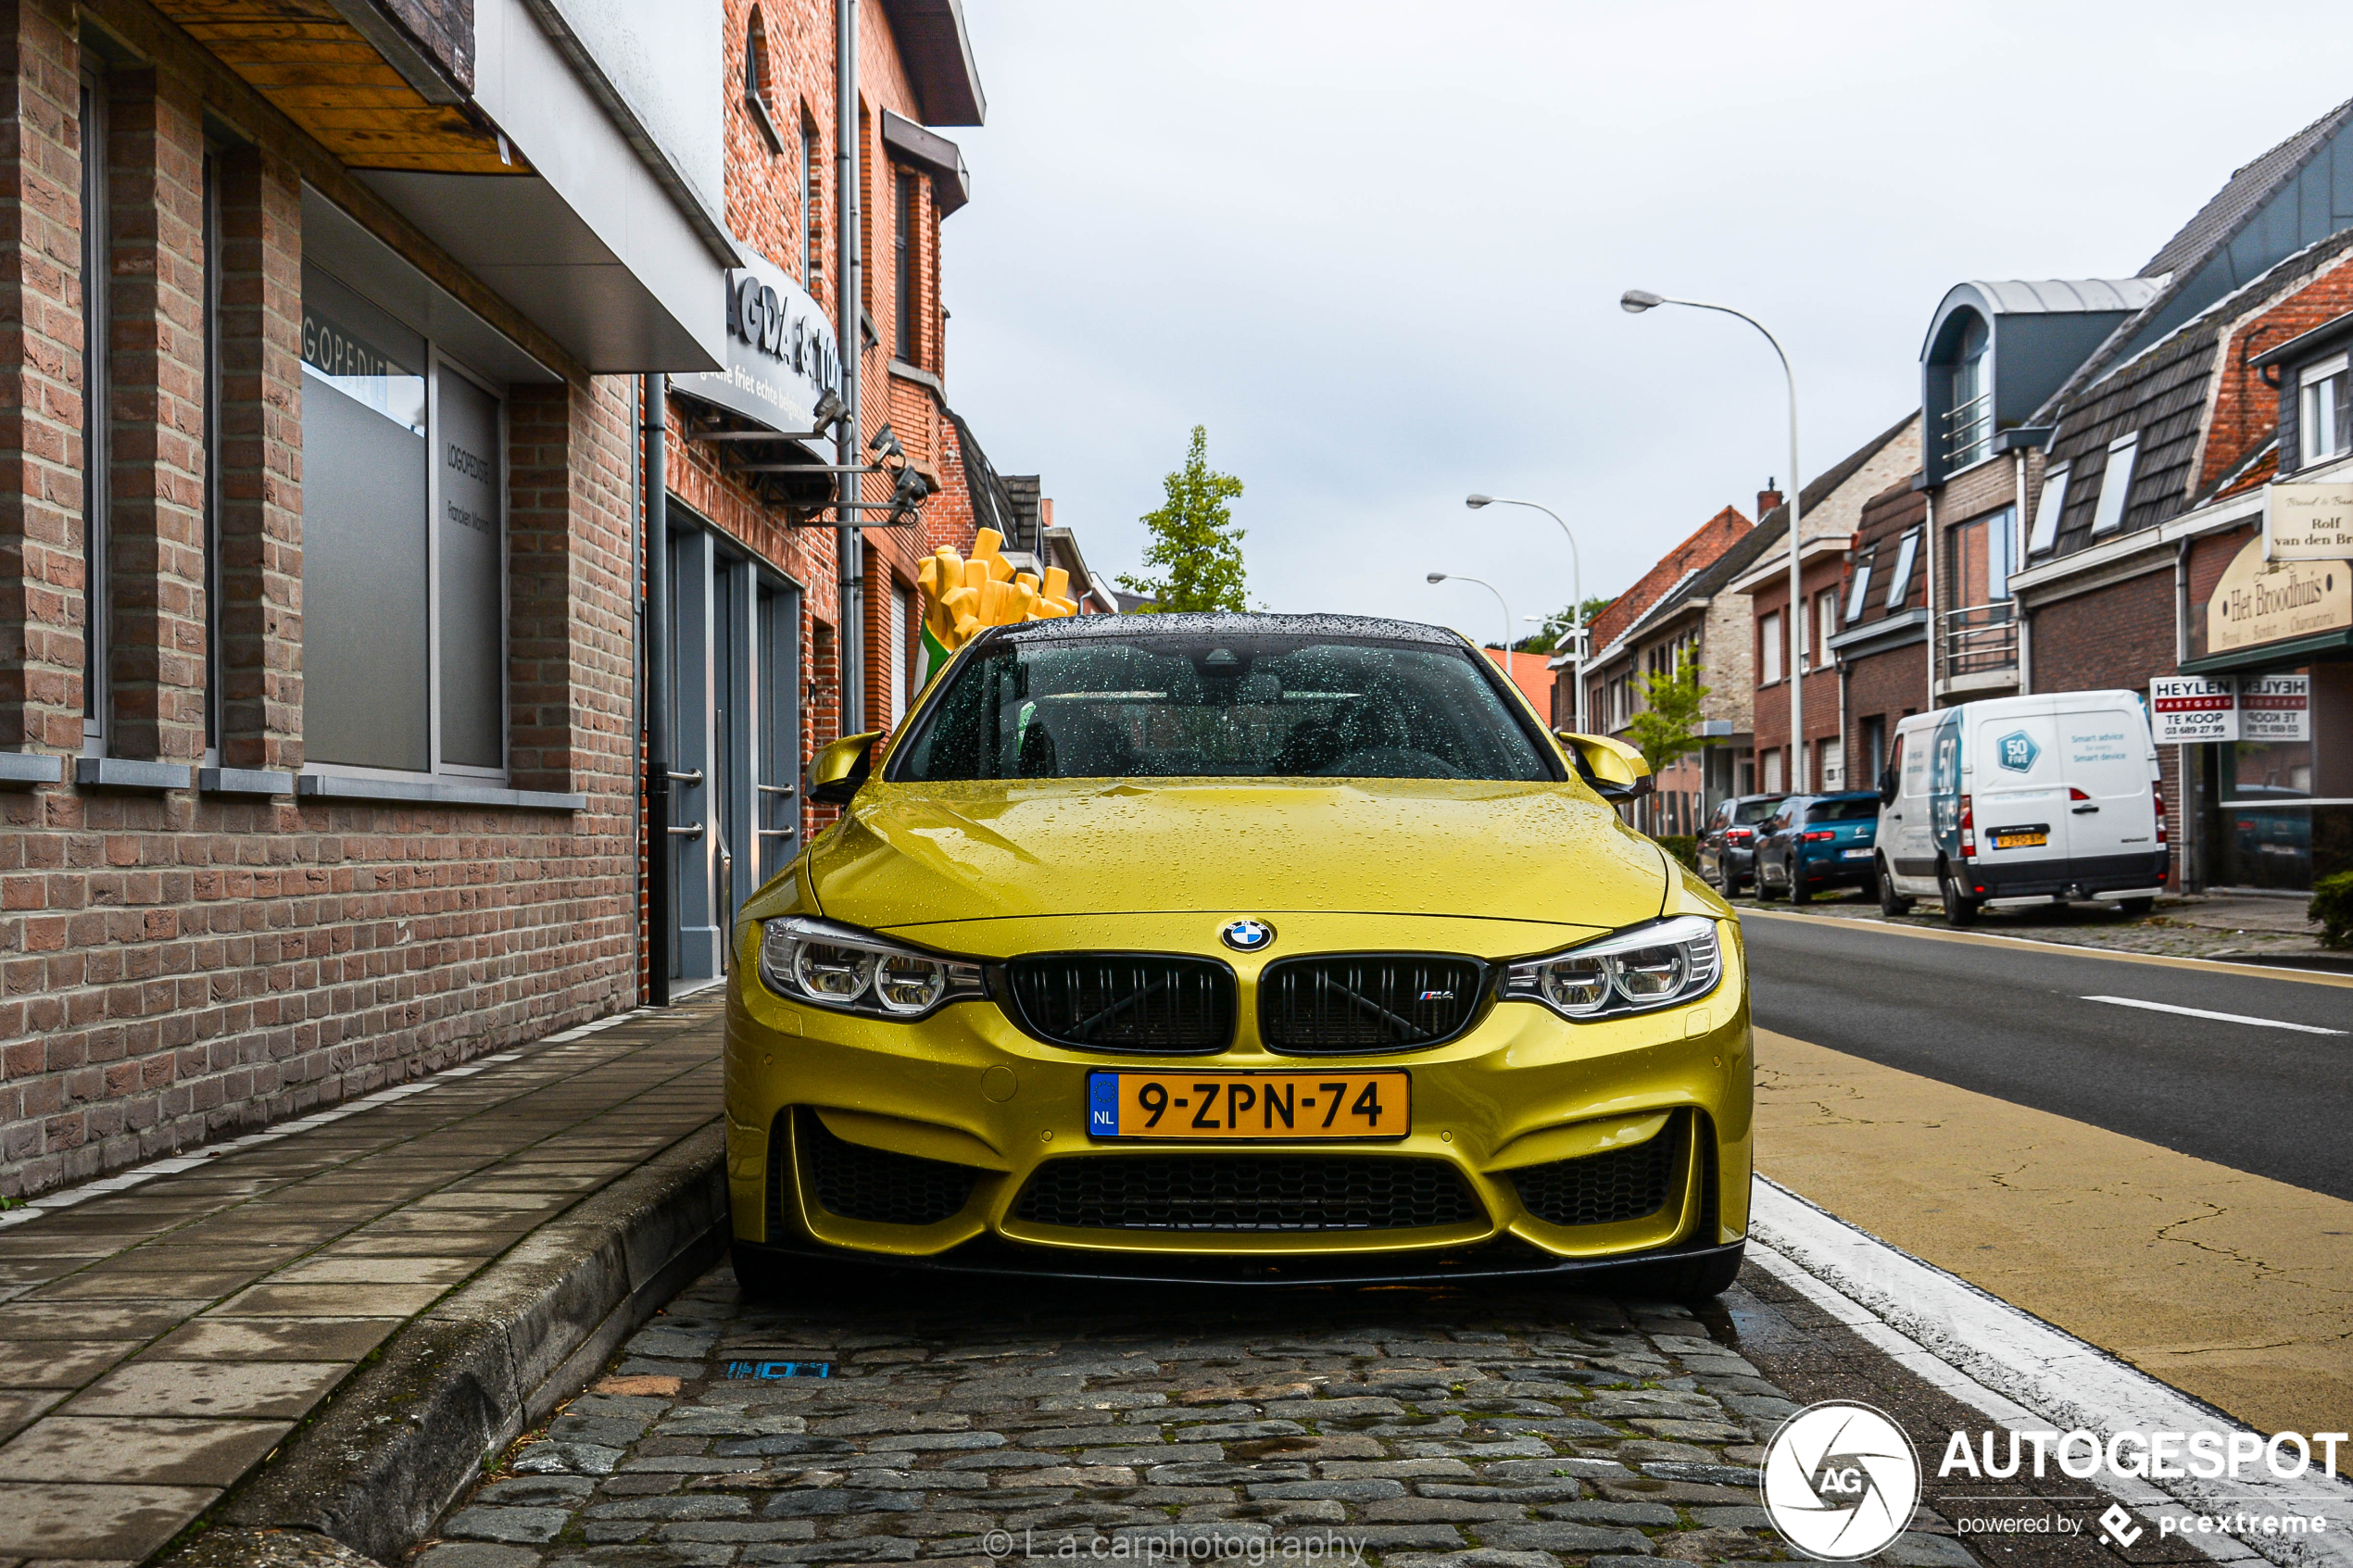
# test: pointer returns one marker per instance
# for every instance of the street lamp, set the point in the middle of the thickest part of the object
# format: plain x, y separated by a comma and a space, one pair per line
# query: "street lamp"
1458, 577
1634, 302
1577, 582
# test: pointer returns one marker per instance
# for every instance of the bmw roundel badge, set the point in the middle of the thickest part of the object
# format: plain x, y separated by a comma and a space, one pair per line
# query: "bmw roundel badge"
1247, 936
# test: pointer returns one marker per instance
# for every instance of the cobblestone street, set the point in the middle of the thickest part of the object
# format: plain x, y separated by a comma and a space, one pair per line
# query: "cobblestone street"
1496, 1427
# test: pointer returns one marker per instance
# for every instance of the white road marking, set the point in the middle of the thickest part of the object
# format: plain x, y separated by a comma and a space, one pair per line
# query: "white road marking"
2218, 1017
2029, 1376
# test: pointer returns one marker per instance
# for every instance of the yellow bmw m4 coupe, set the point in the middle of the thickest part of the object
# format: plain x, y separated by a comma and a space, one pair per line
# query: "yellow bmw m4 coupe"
1236, 948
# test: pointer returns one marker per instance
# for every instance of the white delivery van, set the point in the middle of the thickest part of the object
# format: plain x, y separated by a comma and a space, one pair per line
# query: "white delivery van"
2023, 800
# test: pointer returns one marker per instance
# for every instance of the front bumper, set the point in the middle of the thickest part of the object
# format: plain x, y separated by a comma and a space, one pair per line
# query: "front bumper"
969, 1093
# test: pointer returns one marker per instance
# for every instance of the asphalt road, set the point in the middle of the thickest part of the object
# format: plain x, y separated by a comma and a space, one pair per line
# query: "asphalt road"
2015, 1022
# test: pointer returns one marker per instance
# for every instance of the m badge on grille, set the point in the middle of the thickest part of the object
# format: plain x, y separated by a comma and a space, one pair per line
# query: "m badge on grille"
1247, 936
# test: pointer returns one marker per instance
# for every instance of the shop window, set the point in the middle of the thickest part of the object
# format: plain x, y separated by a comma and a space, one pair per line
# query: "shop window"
2047, 512
97, 397
404, 546
1899, 581
2116, 484
2324, 419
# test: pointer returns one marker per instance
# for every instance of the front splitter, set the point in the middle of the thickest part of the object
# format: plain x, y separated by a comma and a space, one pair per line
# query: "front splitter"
988, 1256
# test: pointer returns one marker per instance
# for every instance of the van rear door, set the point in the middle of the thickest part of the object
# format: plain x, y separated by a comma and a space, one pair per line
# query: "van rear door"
2111, 761
2018, 794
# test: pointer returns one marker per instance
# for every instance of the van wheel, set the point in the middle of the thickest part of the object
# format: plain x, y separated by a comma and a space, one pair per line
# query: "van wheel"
2137, 908
1959, 909
1798, 891
1891, 903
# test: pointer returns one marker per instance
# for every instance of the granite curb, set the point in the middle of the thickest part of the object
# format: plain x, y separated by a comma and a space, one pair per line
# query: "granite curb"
405, 1435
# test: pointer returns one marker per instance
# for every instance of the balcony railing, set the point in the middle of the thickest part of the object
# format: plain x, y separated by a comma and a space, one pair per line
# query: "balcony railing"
1969, 431
1979, 638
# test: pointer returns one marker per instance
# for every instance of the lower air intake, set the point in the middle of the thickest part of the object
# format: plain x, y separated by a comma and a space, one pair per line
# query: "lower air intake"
1604, 1189
874, 1184
1201, 1192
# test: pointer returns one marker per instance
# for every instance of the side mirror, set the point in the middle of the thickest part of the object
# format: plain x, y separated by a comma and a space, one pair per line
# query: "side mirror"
838, 771
1616, 769
1887, 786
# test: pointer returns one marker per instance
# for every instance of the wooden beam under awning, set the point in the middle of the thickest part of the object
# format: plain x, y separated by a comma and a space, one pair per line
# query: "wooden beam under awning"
323, 74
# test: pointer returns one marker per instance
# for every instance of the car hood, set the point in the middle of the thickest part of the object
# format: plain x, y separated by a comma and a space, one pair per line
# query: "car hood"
920, 854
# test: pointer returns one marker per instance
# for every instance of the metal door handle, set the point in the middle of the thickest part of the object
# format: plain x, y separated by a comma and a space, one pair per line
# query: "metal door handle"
782, 792
2081, 810
694, 831
778, 833
693, 778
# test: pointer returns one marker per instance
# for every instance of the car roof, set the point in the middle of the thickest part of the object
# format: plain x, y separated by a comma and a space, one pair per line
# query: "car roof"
1218, 623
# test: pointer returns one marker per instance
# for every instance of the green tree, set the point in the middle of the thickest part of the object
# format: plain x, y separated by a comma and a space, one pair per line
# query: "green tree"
1196, 549
1554, 634
1666, 727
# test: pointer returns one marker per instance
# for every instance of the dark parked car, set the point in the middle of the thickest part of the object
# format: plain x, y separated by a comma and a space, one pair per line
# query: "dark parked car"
1725, 845
1813, 841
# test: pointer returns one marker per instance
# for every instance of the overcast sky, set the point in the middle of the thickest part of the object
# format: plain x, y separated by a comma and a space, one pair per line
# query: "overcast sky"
1376, 249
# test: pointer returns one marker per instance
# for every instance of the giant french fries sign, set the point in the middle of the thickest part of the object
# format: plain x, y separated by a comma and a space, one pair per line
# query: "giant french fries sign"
962, 596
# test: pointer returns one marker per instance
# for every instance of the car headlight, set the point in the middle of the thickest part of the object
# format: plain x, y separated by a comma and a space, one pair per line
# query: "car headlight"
851, 971
1657, 965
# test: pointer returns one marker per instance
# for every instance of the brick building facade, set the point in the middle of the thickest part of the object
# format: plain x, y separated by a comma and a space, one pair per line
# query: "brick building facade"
233, 889
324, 524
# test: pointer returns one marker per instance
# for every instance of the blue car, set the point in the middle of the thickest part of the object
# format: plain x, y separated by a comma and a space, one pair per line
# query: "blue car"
1813, 841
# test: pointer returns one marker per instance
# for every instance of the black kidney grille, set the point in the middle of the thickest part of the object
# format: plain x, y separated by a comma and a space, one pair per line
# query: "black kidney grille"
1603, 1189
858, 1183
1210, 1192
1165, 1005
1337, 1005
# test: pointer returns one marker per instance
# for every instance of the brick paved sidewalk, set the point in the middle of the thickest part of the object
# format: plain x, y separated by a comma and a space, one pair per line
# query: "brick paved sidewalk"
962, 1421
162, 1330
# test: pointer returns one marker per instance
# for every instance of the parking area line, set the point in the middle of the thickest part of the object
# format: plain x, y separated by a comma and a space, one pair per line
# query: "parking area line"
1980, 938
2218, 1017
2234, 1288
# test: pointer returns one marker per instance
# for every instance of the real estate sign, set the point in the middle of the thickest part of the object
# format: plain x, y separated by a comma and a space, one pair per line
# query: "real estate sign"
2185, 709
2275, 708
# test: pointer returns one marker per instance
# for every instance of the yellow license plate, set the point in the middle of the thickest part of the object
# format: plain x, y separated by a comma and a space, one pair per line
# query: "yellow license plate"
1248, 1105
2021, 840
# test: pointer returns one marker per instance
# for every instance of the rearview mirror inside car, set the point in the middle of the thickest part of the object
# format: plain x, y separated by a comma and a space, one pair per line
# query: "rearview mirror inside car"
837, 770
1614, 770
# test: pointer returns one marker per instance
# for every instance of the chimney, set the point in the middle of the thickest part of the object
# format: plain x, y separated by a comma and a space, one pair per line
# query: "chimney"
1767, 499
1045, 512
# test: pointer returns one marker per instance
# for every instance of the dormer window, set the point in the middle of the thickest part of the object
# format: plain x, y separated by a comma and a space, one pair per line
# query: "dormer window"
2116, 484
1969, 423
2323, 428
